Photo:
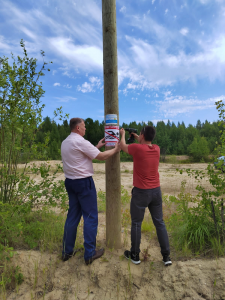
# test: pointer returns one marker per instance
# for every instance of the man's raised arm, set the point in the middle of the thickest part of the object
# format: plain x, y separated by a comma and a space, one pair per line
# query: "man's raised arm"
123, 144
106, 154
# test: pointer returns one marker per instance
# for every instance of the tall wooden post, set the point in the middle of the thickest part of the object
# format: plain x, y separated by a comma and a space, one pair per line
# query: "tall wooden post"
112, 169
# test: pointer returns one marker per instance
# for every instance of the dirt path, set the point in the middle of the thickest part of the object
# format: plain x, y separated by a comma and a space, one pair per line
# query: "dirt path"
112, 276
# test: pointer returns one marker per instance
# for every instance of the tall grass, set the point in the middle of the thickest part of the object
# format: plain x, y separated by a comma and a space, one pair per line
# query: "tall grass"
192, 227
25, 229
125, 198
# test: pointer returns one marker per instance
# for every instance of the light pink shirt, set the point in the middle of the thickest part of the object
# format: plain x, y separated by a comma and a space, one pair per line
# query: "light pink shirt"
77, 154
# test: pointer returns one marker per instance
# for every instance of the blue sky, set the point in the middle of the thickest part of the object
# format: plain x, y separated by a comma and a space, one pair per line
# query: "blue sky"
171, 55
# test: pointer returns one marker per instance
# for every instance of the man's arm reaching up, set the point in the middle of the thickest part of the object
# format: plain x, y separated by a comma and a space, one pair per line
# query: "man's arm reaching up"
123, 144
106, 154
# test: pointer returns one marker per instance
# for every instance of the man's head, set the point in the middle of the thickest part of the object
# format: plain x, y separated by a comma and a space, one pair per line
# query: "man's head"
77, 125
148, 133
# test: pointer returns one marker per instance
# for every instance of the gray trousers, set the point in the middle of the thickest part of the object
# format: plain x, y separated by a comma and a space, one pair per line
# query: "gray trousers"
151, 198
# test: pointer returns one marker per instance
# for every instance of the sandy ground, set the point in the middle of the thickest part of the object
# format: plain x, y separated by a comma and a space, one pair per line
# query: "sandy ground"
112, 276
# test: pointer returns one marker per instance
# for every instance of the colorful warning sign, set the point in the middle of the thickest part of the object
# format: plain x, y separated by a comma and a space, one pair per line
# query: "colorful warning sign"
112, 135
111, 119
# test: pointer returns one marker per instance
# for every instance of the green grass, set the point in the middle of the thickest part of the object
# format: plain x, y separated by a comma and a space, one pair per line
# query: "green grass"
41, 229
101, 196
25, 229
148, 226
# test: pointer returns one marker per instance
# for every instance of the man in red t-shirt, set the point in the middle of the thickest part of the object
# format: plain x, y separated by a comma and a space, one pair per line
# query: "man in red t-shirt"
146, 192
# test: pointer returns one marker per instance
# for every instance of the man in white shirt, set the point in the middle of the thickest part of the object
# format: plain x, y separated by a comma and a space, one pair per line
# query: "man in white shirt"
77, 154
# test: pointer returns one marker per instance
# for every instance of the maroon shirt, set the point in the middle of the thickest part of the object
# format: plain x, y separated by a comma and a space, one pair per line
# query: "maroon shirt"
145, 167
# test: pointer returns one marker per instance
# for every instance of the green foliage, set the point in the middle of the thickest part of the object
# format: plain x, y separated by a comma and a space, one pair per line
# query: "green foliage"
10, 275
125, 156
25, 229
20, 227
172, 139
20, 114
201, 227
192, 225
126, 218
199, 149
101, 201
25, 220
125, 198
45, 191
148, 226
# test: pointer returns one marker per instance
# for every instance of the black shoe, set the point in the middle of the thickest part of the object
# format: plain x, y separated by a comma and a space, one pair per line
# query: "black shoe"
98, 254
133, 257
167, 261
67, 256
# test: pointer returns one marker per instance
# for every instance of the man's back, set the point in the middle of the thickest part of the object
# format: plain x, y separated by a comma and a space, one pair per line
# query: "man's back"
146, 163
77, 154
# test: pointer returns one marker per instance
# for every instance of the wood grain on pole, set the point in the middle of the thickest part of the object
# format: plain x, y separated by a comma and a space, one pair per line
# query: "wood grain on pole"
113, 182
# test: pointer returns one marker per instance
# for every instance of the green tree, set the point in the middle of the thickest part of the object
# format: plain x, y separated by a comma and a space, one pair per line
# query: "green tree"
199, 149
20, 115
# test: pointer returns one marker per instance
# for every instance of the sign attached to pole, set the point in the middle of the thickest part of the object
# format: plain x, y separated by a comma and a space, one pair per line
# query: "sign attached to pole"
111, 119
112, 135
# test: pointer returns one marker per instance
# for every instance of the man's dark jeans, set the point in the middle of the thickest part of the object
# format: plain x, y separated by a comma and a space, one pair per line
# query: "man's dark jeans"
151, 198
82, 202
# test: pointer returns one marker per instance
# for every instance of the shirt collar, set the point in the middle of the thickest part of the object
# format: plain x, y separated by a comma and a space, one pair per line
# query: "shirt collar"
76, 135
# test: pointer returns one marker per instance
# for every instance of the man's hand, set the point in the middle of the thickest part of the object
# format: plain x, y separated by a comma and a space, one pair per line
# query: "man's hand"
101, 143
108, 153
122, 132
123, 144
135, 135
117, 147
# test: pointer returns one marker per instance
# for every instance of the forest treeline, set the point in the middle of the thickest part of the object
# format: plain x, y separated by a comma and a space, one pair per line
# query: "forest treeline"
196, 141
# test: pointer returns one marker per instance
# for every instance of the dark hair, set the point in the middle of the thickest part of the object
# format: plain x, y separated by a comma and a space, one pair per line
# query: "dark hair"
149, 133
74, 122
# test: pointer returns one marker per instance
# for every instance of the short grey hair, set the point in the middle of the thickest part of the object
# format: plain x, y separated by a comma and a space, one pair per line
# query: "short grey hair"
74, 122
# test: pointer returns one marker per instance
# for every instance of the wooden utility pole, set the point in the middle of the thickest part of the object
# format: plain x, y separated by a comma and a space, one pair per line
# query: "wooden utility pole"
112, 169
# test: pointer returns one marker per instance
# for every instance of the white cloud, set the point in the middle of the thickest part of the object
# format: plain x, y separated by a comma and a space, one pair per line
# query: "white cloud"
155, 121
95, 81
86, 87
86, 57
156, 95
74, 42
123, 9
67, 86
66, 71
28, 32
57, 84
151, 66
66, 38
4, 44
167, 93
65, 99
184, 31
166, 11
219, 50
173, 105
131, 86
54, 72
